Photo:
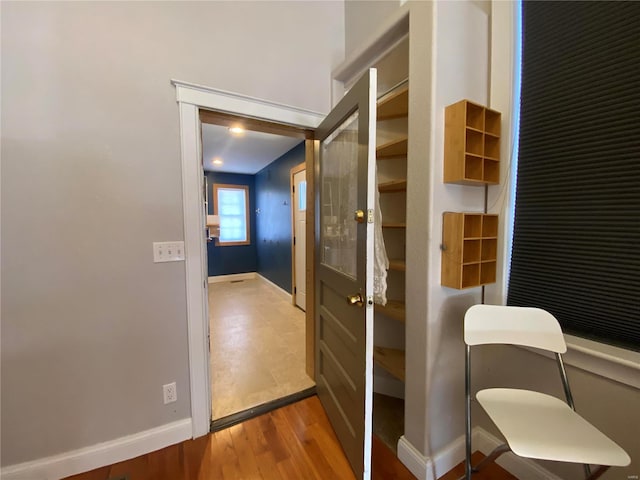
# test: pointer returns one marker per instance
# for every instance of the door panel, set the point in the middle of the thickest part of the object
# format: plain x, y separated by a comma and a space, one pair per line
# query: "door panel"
344, 332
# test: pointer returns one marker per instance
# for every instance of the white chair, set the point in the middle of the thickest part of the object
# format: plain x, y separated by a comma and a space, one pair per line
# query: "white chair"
534, 425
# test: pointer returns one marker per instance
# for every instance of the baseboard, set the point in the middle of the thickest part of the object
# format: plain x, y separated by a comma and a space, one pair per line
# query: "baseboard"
280, 290
430, 468
433, 468
99, 455
232, 277
412, 458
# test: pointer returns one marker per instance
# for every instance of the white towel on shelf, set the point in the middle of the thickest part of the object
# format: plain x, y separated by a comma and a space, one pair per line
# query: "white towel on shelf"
381, 261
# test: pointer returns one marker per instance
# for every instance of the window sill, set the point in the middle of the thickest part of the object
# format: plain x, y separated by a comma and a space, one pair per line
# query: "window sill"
610, 362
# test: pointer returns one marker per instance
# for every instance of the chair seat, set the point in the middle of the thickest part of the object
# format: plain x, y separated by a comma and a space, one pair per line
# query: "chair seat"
536, 425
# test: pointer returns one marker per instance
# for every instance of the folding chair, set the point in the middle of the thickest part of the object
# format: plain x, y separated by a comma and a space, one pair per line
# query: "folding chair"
534, 425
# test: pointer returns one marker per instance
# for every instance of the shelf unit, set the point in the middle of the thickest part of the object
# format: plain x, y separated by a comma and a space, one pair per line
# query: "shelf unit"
394, 105
471, 144
393, 186
394, 225
399, 265
394, 309
391, 154
391, 359
470, 248
393, 149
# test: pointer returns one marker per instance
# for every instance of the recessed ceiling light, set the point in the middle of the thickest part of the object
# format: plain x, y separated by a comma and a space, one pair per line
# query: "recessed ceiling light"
217, 161
236, 130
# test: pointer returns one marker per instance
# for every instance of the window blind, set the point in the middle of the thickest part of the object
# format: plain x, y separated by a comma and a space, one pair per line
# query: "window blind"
576, 243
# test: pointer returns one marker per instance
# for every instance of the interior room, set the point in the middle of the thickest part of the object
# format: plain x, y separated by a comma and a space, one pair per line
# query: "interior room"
109, 354
257, 332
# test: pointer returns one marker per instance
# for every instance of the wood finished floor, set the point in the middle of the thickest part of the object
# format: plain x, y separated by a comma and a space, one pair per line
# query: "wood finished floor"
257, 346
294, 442
493, 471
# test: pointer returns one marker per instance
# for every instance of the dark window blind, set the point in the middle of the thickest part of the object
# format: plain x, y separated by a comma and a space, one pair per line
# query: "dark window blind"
576, 243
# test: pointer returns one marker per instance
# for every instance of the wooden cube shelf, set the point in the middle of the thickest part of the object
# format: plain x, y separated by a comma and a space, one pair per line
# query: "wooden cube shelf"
470, 250
471, 144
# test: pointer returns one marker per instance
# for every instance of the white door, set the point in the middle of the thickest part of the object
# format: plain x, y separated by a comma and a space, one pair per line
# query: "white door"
300, 238
344, 273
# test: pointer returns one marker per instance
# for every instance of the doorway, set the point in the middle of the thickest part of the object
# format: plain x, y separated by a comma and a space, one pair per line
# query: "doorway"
298, 231
257, 334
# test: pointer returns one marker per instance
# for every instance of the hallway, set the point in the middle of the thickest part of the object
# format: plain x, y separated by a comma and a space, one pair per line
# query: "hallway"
257, 345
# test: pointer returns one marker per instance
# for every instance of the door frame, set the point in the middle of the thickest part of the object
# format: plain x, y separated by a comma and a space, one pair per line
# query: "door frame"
292, 173
191, 98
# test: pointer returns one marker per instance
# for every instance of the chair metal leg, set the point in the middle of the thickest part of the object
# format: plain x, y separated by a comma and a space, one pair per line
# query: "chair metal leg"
467, 393
499, 450
599, 471
569, 397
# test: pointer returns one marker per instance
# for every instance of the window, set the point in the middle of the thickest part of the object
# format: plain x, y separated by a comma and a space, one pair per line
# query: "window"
231, 203
302, 196
576, 241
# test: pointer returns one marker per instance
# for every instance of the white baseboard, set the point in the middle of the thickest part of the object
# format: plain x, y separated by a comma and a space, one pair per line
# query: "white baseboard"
432, 468
101, 454
280, 290
412, 458
232, 277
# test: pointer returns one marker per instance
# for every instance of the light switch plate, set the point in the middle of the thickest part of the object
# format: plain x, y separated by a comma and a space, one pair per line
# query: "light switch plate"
168, 252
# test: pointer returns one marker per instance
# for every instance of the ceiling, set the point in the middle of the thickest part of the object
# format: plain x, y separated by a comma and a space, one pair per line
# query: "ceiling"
247, 152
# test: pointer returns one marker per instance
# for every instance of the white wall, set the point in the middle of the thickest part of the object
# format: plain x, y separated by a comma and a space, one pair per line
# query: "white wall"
91, 328
363, 19
461, 72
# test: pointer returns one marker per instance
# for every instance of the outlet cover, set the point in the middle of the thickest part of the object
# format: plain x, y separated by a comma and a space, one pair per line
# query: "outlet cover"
170, 393
168, 252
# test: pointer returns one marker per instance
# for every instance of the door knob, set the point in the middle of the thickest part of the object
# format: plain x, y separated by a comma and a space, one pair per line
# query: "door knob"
358, 216
355, 299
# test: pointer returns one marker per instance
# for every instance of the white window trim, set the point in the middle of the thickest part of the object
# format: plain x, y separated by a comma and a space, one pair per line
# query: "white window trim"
607, 361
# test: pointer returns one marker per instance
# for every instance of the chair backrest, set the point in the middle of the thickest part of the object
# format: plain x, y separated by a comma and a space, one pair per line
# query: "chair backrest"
531, 327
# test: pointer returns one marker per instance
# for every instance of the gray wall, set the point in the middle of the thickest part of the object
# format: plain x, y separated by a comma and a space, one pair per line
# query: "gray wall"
91, 327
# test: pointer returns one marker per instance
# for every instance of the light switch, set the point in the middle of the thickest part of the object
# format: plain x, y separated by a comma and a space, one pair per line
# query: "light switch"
168, 252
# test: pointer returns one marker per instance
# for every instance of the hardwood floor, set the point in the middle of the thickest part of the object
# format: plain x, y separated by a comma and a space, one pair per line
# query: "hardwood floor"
493, 471
294, 442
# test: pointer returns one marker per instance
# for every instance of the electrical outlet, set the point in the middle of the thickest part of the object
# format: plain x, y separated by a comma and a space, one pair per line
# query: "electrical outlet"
170, 392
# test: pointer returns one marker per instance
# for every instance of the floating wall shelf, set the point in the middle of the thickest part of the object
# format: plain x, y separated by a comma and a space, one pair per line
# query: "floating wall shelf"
470, 249
471, 144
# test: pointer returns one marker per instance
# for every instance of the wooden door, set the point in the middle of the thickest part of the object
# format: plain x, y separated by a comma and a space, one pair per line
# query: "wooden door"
344, 269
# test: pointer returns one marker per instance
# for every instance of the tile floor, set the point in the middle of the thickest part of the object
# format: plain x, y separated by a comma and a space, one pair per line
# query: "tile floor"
257, 346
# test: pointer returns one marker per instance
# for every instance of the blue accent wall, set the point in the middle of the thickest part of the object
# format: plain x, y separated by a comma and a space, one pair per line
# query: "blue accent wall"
273, 221
237, 258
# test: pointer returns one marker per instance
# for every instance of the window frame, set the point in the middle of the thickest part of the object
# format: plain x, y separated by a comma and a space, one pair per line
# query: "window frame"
226, 186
